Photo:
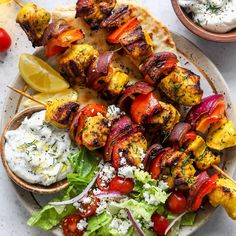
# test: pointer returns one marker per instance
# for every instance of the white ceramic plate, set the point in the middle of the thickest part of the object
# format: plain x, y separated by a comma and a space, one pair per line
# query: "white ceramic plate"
212, 81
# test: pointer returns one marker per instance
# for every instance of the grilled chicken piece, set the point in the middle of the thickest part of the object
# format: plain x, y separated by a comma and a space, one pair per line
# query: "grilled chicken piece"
182, 86
203, 156
95, 132
182, 170
157, 66
94, 11
60, 113
33, 20
225, 195
167, 118
75, 61
137, 44
117, 18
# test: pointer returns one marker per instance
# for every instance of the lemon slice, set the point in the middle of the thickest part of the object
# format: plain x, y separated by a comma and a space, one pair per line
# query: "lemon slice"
40, 76
67, 95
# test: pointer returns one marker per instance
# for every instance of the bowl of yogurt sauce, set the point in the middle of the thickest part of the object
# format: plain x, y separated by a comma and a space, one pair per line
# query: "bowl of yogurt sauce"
35, 153
213, 20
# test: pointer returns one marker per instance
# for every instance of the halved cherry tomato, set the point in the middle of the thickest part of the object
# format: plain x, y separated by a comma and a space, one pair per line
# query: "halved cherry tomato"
79, 120
100, 183
144, 106
121, 185
160, 224
176, 202
88, 209
5, 40
155, 166
116, 35
69, 225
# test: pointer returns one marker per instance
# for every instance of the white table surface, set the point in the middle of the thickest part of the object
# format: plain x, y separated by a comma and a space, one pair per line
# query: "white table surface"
12, 215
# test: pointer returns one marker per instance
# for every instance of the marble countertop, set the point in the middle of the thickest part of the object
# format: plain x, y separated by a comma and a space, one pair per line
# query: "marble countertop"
12, 215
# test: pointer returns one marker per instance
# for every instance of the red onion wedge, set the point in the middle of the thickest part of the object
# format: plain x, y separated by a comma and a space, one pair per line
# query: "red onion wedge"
174, 222
113, 194
120, 127
135, 223
54, 29
99, 68
137, 88
205, 108
178, 133
79, 197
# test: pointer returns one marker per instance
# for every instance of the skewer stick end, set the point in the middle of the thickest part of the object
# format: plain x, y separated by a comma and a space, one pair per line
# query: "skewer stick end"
223, 173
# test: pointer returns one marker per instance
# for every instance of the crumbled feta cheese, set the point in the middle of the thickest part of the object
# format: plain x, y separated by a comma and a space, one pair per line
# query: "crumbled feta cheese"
86, 200
122, 226
101, 207
122, 214
113, 112
150, 199
81, 226
126, 171
76, 205
107, 173
147, 186
96, 191
163, 185
123, 161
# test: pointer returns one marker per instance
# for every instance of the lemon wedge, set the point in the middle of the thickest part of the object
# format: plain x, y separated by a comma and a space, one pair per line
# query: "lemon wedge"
67, 95
40, 76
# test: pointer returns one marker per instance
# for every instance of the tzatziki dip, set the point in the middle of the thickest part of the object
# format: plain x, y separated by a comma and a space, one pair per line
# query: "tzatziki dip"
217, 16
38, 151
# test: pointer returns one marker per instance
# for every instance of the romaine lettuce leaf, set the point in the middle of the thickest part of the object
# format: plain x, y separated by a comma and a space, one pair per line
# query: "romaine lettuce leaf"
188, 219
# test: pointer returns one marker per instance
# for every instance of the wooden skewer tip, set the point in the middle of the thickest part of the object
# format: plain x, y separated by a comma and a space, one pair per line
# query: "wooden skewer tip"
18, 3
223, 173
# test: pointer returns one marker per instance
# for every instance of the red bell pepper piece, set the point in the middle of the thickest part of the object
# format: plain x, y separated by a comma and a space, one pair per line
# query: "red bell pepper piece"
52, 49
144, 106
116, 35
190, 136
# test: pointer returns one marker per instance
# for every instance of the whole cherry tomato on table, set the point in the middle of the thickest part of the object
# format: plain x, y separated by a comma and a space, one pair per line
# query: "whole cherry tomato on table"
176, 203
121, 185
160, 224
69, 225
5, 40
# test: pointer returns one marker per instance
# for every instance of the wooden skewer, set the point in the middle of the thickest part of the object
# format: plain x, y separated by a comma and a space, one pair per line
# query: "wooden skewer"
18, 3
28, 96
223, 173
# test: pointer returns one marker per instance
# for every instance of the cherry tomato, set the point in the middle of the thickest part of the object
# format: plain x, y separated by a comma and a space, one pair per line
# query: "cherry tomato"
5, 40
69, 225
121, 185
160, 224
100, 184
88, 209
176, 202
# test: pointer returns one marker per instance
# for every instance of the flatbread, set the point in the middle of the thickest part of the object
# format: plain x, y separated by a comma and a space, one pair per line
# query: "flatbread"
162, 39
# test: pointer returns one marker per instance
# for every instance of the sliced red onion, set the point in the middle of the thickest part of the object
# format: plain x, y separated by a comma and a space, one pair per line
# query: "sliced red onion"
122, 125
114, 194
137, 88
174, 222
135, 223
99, 68
79, 197
178, 133
206, 107
55, 28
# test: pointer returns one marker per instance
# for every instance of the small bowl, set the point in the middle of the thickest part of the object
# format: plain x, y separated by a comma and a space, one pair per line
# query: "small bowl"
198, 30
13, 124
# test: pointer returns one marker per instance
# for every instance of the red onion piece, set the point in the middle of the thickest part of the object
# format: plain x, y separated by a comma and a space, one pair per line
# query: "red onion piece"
113, 194
79, 197
54, 29
206, 107
151, 154
137, 88
178, 133
120, 127
135, 223
98, 69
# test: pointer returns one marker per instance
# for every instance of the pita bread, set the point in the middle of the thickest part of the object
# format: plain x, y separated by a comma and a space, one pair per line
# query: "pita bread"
162, 39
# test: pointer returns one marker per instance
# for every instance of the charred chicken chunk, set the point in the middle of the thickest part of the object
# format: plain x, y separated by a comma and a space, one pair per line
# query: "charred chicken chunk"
60, 113
95, 132
75, 61
137, 44
167, 118
33, 20
157, 66
182, 86
225, 195
94, 11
